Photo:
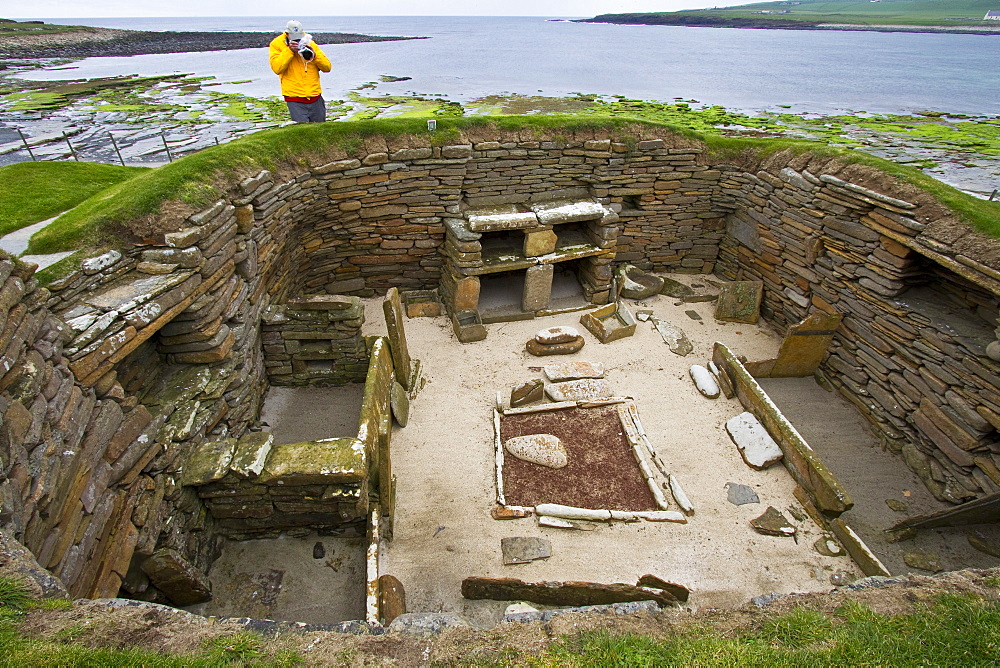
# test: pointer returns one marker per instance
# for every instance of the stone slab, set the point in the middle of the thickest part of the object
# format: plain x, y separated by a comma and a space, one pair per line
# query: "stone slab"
558, 334
740, 495
636, 283
509, 513
558, 372
560, 593
541, 350
674, 337
208, 462
805, 346
739, 301
329, 461
323, 303
539, 243
523, 550
468, 326
772, 523
391, 598
392, 307
497, 222
756, 446
860, 553
554, 213
399, 403
527, 393
610, 322
537, 287
704, 381
577, 390
251, 453
176, 577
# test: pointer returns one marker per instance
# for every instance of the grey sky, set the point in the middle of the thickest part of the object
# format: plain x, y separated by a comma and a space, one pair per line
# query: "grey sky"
106, 8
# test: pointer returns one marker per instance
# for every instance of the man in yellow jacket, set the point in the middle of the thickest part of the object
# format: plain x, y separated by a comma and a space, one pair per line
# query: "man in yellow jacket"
297, 61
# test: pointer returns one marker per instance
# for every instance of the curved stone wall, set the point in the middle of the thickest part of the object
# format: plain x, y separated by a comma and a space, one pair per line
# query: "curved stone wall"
114, 373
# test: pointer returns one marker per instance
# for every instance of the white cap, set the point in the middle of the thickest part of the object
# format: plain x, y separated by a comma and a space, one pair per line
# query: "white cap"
294, 30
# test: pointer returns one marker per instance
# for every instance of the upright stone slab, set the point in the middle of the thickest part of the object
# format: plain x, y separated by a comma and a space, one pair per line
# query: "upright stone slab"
537, 287
392, 598
739, 301
806, 345
539, 243
466, 294
393, 309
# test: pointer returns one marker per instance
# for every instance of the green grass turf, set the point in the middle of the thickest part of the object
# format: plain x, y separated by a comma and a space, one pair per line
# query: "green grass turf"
884, 12
34, 191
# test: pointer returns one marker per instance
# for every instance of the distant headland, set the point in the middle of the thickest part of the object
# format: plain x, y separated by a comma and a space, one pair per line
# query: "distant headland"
35, 39
940, 16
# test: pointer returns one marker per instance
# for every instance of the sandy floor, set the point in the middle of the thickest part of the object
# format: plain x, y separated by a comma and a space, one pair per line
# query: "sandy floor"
445, 468
444, 461
284, 579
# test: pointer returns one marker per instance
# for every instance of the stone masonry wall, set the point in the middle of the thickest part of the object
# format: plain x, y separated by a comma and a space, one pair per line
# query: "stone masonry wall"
919, 312
111, 376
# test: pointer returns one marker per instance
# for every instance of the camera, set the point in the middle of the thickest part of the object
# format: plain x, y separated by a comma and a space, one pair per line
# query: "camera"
305, 48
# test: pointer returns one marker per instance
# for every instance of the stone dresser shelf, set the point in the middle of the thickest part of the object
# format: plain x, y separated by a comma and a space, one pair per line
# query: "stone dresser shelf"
505, 255
530, 237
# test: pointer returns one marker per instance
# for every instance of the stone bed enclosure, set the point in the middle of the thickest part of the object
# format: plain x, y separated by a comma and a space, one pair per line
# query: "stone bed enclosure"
131, 389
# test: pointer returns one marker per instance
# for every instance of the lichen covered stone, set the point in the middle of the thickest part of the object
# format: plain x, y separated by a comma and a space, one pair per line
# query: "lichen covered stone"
331, 460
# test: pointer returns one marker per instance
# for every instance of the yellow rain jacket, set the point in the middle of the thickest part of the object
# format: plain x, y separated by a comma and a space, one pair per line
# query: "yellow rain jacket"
298, 78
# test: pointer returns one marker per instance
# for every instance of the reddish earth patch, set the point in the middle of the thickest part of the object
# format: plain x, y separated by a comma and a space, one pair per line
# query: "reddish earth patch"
602, 472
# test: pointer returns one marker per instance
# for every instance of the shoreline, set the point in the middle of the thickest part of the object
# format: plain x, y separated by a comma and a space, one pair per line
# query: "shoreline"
113, 42
778, 24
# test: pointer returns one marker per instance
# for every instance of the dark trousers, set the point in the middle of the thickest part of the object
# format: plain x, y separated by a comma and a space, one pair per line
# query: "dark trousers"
307, 112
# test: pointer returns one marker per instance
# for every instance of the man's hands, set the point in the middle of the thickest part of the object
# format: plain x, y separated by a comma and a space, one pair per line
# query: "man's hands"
294, 45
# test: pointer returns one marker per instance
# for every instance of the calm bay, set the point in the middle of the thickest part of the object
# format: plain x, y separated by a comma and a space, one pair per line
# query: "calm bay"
465, 58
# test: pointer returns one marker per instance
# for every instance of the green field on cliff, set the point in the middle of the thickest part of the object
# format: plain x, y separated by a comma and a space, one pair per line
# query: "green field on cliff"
864, 12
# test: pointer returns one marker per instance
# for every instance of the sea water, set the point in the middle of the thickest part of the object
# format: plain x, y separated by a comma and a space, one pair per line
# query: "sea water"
465, 58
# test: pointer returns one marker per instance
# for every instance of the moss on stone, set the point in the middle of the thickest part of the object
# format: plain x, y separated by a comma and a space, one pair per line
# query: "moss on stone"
325, 462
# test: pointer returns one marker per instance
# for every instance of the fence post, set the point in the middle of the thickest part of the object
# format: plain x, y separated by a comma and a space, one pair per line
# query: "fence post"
115, 144
165, 147
72, 151
33, 158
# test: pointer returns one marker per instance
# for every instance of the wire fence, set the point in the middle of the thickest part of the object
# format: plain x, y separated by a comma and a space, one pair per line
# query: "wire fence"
75, 153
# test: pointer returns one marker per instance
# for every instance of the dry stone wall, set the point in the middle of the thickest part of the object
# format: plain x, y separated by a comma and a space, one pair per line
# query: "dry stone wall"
112, 376
919, 298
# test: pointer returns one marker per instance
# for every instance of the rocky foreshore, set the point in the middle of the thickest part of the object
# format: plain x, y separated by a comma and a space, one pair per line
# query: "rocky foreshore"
111, 42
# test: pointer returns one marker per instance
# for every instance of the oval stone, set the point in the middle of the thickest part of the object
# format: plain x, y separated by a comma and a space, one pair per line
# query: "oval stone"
704, 381
542, 449
560, 334
541, 350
